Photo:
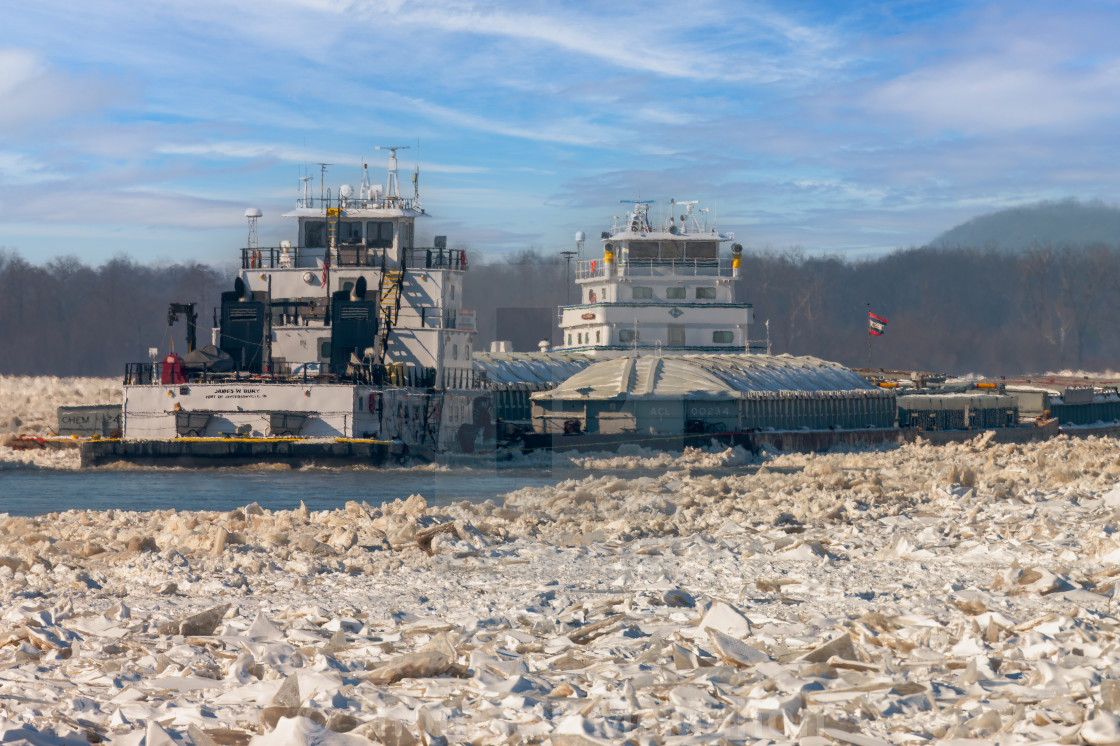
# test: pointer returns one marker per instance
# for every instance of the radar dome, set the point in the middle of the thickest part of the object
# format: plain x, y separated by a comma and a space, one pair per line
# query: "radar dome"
253, 212
580, 236
346, 191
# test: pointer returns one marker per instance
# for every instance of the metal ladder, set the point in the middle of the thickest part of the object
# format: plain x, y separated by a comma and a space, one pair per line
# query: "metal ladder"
433, 413
390, 304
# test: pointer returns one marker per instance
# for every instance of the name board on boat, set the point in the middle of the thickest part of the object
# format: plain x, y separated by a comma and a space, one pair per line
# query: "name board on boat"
235, 392
465, 320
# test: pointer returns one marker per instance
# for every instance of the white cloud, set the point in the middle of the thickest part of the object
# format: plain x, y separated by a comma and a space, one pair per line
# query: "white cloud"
1001, 94
569, 131
244, 150
33, 94
137, 209
17, 67
18, 168
663, 39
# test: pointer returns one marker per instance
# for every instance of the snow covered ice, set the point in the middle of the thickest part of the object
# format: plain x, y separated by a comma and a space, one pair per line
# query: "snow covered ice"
29, 406
895, 595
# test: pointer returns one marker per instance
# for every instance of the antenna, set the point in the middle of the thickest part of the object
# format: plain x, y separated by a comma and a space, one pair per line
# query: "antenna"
639, 220
568, 269
416, 177
393, 188
306, 188
253, 214
690, 216
322, 177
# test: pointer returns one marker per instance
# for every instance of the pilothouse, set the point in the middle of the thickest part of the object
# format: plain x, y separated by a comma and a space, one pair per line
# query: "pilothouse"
662, 287
362, 245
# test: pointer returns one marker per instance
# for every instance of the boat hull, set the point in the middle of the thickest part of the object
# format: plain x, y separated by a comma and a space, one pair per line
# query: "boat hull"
800, 441
226, 452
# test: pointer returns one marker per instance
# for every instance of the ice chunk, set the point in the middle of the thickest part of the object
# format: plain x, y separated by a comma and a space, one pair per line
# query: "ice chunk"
735, 652
725, 618
197, 625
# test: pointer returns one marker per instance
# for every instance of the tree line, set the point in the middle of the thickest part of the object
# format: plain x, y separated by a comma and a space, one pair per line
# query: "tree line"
66, 318
954, 310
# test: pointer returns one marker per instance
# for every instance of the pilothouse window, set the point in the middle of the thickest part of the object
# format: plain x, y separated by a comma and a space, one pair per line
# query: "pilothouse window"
379, 234
701, 250
350, 232
671, 250
315, 234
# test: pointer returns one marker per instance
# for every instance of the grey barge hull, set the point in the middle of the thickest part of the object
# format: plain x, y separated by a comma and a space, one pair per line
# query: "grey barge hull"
216, 452
799, 441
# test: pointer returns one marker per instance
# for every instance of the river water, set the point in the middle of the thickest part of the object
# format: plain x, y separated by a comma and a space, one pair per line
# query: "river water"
36, 492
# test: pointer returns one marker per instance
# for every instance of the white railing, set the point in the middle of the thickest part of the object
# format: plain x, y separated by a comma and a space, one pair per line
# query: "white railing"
656, 268
355, 203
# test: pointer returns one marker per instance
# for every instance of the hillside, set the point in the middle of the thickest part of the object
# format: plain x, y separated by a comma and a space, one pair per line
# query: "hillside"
1019, 228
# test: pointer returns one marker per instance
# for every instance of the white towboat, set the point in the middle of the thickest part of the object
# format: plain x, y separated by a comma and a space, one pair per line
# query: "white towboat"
659, 288
352, 331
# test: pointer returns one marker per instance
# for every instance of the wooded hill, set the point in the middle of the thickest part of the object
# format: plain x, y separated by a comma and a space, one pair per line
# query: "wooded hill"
1067, 221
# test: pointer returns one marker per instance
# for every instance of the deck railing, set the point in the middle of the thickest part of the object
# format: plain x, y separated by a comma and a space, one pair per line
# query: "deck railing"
351, 255
655, 268
391, 374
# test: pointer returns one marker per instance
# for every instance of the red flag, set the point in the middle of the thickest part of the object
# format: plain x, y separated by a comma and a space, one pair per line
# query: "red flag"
876, 325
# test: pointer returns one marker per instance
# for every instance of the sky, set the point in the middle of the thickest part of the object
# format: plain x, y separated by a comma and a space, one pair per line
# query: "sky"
146, 130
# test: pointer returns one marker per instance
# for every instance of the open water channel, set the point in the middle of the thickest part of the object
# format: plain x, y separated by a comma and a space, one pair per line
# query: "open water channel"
36, 492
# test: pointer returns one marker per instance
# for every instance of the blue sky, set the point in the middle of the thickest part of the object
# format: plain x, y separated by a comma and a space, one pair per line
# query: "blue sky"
147, 129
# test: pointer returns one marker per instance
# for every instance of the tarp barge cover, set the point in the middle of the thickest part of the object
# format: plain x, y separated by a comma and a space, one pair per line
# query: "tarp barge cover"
512, 368
957, 411
712, 393
513, 377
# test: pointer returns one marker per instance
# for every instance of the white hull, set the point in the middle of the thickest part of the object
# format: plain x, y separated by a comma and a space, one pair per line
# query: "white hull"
312, 410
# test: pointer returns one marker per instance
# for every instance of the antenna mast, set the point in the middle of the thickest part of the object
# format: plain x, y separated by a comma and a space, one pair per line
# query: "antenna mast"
393, 187
306, 188
364, 194
253, 214
322, 177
